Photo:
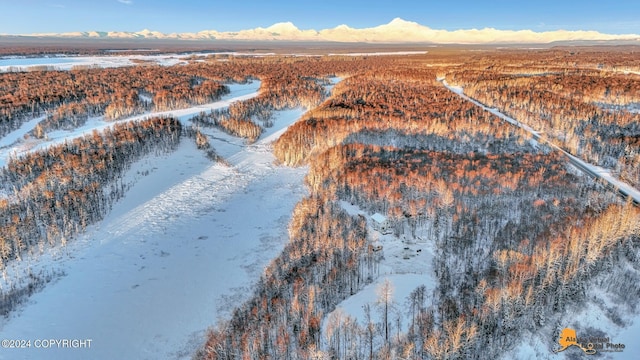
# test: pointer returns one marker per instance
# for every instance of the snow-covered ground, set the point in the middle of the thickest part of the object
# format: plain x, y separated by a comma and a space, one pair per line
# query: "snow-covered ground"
406, 262
173, 257
18, 134
14, 143
588, 321
69, 62
401, 284
631, 107
65, 62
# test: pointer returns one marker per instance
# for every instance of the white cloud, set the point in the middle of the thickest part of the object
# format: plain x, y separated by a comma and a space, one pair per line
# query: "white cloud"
126, 2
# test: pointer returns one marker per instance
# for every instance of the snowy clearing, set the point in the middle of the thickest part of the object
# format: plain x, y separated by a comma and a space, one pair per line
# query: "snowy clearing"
406, 262
173, 257
69, 62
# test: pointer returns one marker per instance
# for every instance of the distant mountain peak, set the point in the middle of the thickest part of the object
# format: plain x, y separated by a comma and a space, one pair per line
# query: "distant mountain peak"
283, 27
401, 22
343, 27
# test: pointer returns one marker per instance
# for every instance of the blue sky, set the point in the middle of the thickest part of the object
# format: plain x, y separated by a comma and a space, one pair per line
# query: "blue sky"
30, 16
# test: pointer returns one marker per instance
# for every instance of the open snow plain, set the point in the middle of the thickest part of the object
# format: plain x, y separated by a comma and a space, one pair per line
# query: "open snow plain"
178, 253
69, 62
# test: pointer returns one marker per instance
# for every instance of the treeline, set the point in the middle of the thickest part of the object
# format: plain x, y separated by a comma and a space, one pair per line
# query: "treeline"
55, 193
377, 103
221, 119
554, 60
581, 111
415, 184
202, 143
241, 118
121, 92
323, 264
66, 116
112, 92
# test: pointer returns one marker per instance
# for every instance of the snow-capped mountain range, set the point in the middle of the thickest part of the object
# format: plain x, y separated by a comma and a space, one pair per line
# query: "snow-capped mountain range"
396, 31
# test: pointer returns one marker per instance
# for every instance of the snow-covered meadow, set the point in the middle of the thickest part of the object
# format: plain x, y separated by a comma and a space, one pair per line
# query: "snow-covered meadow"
174, 256
68, 62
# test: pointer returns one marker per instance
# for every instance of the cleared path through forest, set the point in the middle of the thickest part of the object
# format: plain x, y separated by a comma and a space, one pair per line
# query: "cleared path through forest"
623, 189
14, 143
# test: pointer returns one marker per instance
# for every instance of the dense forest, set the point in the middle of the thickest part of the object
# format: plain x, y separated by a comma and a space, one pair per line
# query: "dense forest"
516, 231
55, 193
68, 98
592, 113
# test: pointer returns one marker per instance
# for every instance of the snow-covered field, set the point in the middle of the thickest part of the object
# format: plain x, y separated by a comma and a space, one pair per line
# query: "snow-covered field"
69, 62
173, 257
65, 62
62, 62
